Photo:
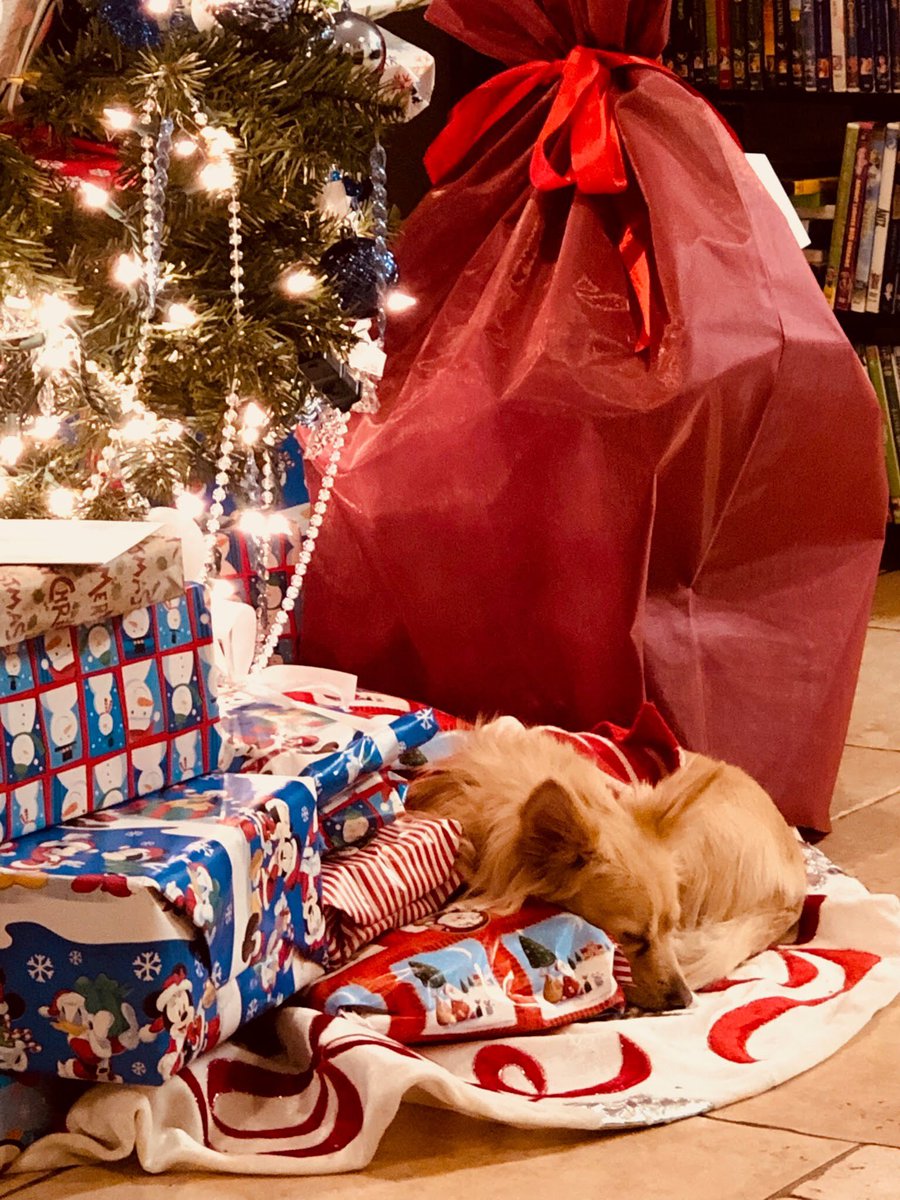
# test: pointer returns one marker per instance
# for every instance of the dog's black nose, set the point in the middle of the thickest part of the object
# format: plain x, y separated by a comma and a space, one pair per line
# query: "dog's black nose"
679, 996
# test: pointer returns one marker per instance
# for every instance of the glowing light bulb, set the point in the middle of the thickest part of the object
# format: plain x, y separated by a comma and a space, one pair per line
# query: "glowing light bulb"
61, 502
53, 311
217, 176
11, 448
137, 429
127, 270
158, 8
253, 523
45, 427
219, 140
180, 316
278, 524
190, 504
399, 302
57, 353
184, 147
92, 195
118, 120
299, 282
254, 417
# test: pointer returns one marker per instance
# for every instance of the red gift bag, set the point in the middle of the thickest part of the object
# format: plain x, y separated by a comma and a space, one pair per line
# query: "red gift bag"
624, 449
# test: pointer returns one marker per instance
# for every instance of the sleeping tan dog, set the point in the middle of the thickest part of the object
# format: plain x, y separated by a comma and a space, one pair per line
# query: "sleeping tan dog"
691, 876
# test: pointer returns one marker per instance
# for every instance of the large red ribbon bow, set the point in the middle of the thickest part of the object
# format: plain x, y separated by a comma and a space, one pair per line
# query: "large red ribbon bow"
583, 113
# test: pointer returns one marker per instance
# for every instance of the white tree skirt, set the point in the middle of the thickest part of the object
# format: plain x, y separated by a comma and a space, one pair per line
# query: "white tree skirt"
322, 1104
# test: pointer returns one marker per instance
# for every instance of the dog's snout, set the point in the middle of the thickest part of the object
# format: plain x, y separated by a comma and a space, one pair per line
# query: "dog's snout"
678, 996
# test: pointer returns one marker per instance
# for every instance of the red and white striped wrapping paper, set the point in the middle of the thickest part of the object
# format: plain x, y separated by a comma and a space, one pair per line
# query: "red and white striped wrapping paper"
402, 875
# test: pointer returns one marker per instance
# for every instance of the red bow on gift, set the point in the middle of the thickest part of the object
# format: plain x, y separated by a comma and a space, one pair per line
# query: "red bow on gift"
584, 111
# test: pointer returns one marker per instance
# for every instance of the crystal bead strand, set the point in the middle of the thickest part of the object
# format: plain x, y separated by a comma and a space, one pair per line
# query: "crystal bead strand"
378, 171
264, 541
233, 399
317, 517
152, 156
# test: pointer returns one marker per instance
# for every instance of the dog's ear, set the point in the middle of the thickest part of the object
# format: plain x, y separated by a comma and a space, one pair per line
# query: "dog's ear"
554, 827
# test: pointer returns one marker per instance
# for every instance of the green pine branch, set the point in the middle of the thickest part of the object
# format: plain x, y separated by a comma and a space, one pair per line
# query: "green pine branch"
296, 109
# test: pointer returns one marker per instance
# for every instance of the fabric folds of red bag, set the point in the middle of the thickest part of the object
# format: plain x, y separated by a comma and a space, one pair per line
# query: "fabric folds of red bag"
624, 450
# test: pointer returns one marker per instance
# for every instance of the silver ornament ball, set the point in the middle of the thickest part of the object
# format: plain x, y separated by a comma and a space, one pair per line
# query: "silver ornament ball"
361, 39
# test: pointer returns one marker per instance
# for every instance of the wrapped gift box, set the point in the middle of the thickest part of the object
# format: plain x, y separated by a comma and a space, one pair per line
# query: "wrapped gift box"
93, 715
333, 746
134, 939
30, 1107
237, 559
55, 578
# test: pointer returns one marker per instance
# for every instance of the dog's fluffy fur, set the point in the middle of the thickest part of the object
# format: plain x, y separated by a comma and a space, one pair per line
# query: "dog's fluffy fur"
691, 876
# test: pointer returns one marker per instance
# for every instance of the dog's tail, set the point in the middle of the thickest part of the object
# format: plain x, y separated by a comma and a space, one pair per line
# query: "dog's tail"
709, 952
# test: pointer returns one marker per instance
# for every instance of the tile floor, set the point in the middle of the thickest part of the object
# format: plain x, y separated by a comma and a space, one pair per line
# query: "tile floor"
830, 1134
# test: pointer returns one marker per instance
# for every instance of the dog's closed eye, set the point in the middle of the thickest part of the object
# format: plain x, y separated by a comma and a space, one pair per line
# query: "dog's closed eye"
635, 943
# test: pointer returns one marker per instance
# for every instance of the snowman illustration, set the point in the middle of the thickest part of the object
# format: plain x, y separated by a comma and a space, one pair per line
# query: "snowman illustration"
184, 756
109, 777
19, 719
59, 652
100, 687
140, 708
136, 627
27, 807
61, 706
12, 663
174, 620
148, 766
179, 672
99, 643
71, 794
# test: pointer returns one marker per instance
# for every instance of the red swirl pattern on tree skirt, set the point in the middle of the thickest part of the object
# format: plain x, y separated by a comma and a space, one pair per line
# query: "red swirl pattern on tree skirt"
335, 1110
492, 1061
729, 1035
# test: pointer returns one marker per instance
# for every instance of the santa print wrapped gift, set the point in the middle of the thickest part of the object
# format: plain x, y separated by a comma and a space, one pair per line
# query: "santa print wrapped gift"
134, 939
623, 449
118, 707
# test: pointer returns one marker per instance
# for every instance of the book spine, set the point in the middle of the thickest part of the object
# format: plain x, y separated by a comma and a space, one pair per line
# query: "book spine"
854, 219
838, 47
768, 16
723, 40
851, 46
892, 252
795, 33
895, 429
872, 360
739, 43
698, 40
679, 39
754, 44
864, 19
712, 39
842, 203
867, 221
886, 362
822, 17
894, 39
881, 46
808, 44
882, 218
782, 44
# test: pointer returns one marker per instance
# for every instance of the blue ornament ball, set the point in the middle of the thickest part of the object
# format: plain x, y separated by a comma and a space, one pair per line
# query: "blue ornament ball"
129, 22
351, 267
